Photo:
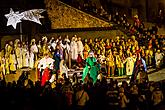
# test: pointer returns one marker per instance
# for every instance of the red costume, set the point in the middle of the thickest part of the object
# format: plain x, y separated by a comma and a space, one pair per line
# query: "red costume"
45, 76
79, 60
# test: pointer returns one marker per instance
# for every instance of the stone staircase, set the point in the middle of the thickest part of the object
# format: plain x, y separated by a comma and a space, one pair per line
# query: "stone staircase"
63, 16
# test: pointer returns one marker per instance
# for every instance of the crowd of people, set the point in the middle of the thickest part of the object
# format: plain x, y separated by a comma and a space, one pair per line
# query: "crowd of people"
117, 56
25, 95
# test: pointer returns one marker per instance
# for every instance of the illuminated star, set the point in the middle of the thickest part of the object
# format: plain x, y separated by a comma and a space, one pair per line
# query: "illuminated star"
13, 18
33, 15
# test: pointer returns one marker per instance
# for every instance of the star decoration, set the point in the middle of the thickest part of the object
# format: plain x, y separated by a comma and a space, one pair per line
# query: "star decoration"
13, 18
33, 15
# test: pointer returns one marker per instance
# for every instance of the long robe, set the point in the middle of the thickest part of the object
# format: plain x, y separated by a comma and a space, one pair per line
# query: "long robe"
158, 59
57, 59
129, 65
7, 65
34, 49
91, 68
140, 63
80, 48
73, 50
45, 64
31, 60
45, 76
18, 52
25, 56
12, 62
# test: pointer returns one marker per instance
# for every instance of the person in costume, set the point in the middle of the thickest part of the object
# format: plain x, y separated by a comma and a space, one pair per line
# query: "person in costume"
66, 49
67, 39
39, 46
91, 69
158, 59
25, 56
18, 52
2, 62
12, 62
7, 64
34, 49
86, 49
108, 45
80, 61
9, 47
120, 65
110, 63
63, 69
73, 49
45, 66
139, 66
57, 58
31, 60
129, 64
80, 47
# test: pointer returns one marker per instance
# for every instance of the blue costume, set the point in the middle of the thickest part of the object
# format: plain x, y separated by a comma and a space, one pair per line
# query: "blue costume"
139, 64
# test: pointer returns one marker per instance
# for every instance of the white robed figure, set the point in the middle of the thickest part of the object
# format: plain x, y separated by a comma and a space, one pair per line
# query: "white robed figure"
158, 58
45, 65
129, 65
80, 47
31, 60
25, 56
66, 47
73, 49
34, 48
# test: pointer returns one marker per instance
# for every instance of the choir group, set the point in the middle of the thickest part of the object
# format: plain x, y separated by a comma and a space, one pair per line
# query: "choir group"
117, 55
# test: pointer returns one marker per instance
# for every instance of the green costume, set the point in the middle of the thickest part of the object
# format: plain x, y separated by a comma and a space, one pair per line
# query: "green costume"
91, 68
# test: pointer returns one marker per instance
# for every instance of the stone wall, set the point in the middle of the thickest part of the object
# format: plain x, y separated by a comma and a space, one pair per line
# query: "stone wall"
64, 16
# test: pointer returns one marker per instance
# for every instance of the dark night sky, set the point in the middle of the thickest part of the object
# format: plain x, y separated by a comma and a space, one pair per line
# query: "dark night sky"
18, 5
